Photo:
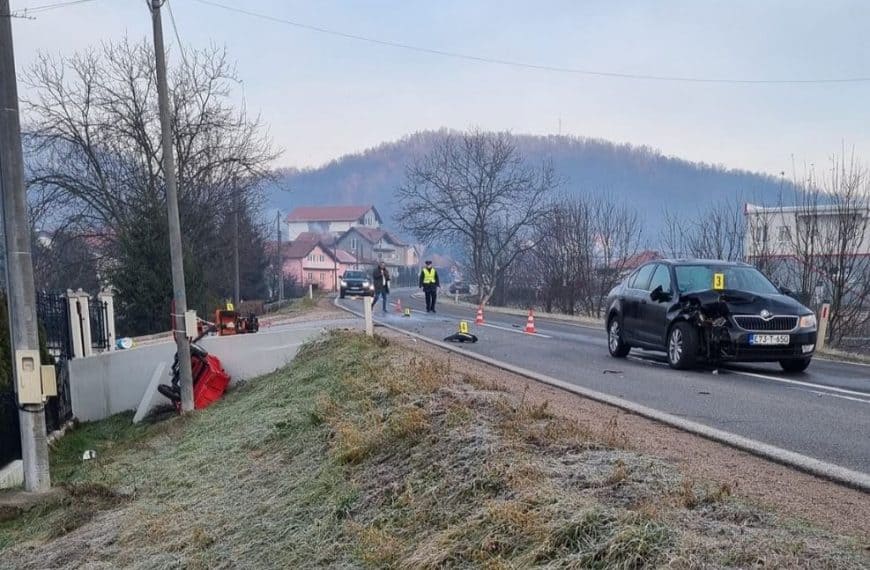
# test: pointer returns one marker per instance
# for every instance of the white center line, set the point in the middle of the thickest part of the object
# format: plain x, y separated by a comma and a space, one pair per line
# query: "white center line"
799, 383
513, 330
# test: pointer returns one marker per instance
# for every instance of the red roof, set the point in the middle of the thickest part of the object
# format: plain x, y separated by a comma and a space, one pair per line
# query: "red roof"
329, 213
639, 259
325, 239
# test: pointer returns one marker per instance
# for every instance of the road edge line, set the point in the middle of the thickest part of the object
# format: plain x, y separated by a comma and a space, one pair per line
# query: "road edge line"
816, 467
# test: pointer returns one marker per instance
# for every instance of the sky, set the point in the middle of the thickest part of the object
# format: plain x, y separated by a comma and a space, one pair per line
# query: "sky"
325, 96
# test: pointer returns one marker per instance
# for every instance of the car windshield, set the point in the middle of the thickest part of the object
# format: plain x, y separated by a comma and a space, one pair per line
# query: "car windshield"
354, 275
700, 277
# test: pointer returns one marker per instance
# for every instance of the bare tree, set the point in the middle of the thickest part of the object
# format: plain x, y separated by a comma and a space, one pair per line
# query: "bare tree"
95, 161
717, 232
475, 191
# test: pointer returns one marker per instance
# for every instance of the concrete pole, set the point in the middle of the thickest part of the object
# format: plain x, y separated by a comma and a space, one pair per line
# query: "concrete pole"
367, 311
75, 324
19, 264
822, 330
179, 292
87, 336
236, 286
280, 258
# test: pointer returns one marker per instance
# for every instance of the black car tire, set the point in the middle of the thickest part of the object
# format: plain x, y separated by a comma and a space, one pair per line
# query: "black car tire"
615, 341
795, 366
682, 346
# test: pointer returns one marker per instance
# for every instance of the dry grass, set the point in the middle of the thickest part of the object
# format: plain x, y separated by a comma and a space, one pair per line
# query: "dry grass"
362, 455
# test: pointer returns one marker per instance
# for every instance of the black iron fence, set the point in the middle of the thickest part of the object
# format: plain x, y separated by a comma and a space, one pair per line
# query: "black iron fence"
10, 439
53, 313
99, 324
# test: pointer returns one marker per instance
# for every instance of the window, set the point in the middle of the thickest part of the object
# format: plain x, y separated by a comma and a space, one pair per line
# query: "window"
310, 276
784, 234
641, 278
661, 278
700, 278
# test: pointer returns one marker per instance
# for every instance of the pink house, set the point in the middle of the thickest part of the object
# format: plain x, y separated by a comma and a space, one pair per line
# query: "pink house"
309, 261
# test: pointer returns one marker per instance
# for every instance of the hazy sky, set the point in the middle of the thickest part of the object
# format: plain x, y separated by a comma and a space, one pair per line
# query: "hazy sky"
325, 96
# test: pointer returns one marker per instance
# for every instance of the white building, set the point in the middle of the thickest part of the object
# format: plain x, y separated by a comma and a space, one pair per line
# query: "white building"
777, 231
331, 219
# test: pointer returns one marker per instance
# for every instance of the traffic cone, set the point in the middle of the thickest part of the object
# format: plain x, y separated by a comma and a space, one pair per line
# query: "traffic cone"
478, 320
398, 305
530, 324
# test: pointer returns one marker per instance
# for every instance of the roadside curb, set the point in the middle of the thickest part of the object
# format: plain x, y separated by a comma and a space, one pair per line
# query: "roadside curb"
831, 472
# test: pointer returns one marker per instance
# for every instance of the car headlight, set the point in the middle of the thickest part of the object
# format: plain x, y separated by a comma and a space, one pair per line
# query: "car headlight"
808, 322
365, 283
343, 283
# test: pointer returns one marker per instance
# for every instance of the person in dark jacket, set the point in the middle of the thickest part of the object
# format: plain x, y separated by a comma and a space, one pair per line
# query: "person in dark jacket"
429, 283
381, 280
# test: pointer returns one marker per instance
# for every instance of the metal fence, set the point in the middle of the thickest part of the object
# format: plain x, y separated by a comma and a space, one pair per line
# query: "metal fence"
52, 309
99, 324
10, 439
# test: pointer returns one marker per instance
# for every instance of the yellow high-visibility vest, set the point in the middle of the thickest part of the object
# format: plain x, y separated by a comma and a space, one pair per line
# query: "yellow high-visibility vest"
428, 276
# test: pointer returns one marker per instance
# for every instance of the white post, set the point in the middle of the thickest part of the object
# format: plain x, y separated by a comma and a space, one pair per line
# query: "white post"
367, 311
75, 324
109, 300
310, 291
824, 315
84, 305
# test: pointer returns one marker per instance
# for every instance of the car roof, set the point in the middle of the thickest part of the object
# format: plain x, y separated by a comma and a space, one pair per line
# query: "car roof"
693, 261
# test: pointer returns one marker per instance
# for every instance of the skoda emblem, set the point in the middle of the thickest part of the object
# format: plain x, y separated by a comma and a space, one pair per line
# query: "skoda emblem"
765, 315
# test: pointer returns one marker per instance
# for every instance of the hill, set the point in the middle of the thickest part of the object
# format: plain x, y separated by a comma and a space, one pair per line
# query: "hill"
639, 175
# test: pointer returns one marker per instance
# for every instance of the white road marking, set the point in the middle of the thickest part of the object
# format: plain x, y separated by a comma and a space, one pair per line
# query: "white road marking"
513, 330
799, 383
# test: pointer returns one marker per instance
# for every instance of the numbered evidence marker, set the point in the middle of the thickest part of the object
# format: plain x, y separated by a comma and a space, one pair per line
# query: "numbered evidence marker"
718, 281
463, 335
407, 312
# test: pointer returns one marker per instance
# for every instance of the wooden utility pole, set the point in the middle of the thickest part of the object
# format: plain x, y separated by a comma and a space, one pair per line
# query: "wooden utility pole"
21, 296
182, 343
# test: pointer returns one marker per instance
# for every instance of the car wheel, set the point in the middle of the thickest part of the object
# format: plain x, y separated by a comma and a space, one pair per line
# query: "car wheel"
795, 366
615, 343
682, 346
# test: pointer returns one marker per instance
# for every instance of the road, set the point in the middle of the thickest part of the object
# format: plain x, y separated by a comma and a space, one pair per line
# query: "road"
823, 413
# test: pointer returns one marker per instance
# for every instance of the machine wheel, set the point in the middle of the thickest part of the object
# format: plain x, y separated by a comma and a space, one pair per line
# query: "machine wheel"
795, 366
615, 343
682, 346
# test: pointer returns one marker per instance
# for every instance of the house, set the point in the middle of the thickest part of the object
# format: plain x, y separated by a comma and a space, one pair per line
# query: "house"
310, 261
331, 219
781, 231
372, 245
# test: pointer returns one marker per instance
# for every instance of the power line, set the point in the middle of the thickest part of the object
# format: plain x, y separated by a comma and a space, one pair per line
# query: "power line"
48, 7
539, 67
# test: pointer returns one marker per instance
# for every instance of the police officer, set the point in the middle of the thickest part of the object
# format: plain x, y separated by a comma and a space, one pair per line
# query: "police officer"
429, 283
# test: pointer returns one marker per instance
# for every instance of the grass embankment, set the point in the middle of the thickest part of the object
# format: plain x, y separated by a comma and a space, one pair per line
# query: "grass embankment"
359, 455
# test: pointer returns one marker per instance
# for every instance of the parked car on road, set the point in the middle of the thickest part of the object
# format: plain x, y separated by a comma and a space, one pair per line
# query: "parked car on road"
709, 310
460, 287
356, 283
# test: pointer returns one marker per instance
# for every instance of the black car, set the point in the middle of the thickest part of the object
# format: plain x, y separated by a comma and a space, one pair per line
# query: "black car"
460, 287
709, 310
356, 283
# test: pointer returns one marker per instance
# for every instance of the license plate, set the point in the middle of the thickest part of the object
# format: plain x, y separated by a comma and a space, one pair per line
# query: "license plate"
769, 339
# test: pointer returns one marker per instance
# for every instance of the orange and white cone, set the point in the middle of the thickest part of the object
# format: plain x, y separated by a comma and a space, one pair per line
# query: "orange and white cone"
530, 323
398, 305
478, 320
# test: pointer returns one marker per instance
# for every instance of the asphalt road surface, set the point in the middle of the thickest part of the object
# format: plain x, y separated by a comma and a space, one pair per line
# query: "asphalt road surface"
823, 413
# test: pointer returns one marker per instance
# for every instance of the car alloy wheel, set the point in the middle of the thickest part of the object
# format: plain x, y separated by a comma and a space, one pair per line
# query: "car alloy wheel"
675, 346
615, 343
613, 338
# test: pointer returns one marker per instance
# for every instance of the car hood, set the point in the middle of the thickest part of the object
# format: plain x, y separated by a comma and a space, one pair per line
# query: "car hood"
734, 302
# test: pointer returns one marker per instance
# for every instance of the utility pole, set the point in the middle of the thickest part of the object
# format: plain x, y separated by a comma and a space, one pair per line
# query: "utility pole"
19, 264
280, 257
236, 287
182, 343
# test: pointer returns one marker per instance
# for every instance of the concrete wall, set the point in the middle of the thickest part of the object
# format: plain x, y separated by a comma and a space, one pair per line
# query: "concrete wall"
114, 382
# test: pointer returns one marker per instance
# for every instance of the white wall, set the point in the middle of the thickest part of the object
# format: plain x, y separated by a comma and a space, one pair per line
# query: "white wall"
114, 382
